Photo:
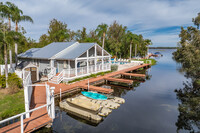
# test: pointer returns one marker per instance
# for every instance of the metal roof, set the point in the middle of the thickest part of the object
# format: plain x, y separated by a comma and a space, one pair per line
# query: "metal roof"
46, 52
73, 52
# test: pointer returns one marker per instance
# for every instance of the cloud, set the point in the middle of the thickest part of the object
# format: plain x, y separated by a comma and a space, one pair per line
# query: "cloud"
144, 16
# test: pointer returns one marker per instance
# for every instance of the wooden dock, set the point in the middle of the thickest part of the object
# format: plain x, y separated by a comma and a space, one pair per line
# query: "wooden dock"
98, 89
134, 75
40, 117
120, 80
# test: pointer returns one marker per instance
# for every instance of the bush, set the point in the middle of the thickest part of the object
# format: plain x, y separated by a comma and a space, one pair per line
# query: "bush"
114, 67
2, 81
14, 82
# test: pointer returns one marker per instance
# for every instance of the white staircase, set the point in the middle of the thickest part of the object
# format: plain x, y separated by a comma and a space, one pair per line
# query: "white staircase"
56, 79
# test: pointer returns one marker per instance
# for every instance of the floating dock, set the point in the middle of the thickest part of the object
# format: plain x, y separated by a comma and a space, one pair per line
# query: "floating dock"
39, 118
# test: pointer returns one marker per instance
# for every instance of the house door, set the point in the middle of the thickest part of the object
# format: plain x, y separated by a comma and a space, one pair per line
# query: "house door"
33, 71
33, 74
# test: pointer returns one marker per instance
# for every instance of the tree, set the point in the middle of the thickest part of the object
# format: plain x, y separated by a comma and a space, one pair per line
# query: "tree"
116, 33
17, 17
101, 32
196, 21
58, 31
6, 38
188, 55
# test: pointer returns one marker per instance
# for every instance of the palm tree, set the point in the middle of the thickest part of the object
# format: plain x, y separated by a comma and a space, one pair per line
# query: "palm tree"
6, 12
17, 17
101, 31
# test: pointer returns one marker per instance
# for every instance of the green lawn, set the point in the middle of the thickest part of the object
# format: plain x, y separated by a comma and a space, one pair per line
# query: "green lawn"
11, 104
153, 61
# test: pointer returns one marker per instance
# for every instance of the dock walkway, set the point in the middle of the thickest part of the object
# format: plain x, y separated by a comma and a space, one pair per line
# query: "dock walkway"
40, 117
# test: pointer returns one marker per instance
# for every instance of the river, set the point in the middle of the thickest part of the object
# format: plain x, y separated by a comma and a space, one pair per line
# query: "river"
150, 107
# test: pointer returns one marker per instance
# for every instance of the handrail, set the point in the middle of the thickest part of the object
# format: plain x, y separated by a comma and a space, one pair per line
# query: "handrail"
52, 73
13, 117
59, 78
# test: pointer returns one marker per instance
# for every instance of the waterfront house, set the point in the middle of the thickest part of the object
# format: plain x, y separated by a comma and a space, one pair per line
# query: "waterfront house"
63, 61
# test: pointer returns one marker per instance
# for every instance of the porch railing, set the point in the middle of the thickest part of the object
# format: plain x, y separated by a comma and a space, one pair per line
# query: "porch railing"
52, 73
70, 73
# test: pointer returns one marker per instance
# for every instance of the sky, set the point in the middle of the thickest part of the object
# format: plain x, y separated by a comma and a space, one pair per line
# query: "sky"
158, 20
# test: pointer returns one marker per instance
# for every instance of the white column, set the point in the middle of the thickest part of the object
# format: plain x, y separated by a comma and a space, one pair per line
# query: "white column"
102, 59
48, 99
87, 61
109, 62
76, 67
68, 68
52, 103
52, 63
26, 100
95, 59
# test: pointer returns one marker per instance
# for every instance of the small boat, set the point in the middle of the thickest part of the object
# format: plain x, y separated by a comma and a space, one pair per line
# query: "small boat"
94, 95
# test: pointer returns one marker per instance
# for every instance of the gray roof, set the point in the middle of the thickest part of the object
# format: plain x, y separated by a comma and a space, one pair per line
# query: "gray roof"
46, 52
58, 50
73, 52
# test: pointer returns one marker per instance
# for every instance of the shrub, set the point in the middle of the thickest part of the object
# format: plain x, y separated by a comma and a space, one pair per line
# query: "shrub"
114, 67
14, 81
2, 81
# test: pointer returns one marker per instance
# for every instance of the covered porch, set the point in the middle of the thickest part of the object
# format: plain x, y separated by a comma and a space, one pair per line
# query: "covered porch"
94, 60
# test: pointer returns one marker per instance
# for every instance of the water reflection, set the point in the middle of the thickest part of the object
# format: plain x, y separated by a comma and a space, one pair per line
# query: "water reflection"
189, 107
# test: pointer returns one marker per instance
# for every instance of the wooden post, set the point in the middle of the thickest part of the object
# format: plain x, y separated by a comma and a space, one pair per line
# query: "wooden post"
60, 95
88, 84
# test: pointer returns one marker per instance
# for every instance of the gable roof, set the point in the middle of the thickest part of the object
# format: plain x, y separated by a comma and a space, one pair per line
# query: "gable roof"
46, 52
58, 50
73, 52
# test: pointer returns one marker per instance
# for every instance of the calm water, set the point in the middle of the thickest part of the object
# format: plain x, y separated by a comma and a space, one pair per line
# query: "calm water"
150, 107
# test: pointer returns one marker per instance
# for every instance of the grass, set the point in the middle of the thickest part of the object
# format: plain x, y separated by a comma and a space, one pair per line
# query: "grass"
153, 61
11, 104
90, 76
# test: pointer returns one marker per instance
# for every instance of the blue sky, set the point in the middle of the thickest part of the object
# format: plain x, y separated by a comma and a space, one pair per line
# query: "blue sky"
158, 20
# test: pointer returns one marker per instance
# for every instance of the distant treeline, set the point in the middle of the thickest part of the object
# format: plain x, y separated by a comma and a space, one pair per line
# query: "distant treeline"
163, 47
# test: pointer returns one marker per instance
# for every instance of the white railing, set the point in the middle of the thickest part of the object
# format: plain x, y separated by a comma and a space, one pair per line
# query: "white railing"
52, 73
59, 78
81, 71
50, 108
70, 73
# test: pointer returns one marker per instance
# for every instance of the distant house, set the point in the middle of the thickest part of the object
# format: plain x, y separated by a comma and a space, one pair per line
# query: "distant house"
63, 61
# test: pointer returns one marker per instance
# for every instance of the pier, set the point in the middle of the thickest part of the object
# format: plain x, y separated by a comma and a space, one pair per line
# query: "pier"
134, 75
127, 81
40, 118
